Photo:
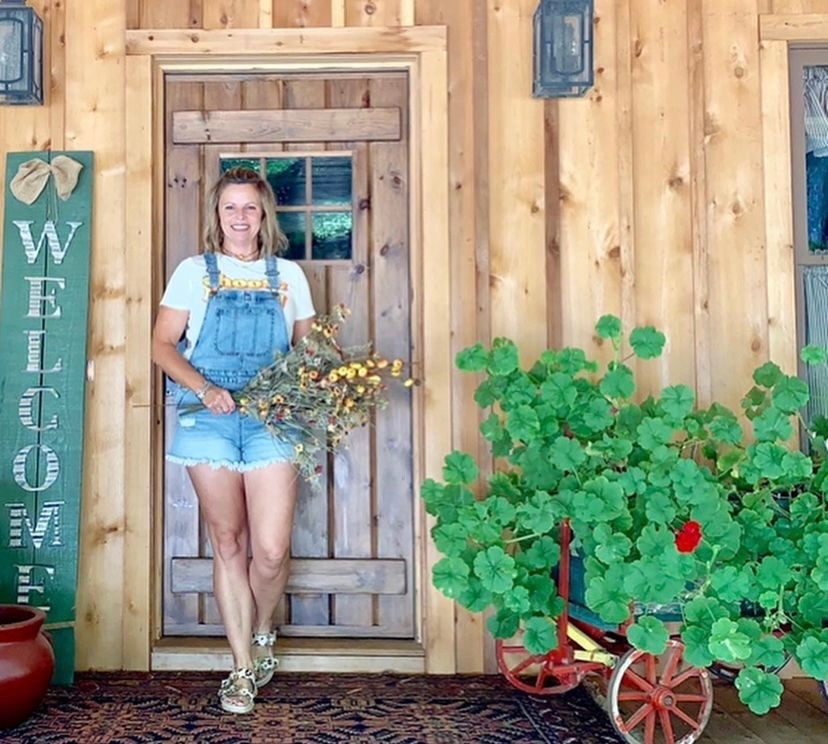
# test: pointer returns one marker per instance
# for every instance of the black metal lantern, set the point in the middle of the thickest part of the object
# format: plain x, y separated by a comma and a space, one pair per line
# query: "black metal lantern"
21, 53
563, 48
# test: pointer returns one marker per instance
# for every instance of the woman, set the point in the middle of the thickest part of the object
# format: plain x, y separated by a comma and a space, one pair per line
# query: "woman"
236, 304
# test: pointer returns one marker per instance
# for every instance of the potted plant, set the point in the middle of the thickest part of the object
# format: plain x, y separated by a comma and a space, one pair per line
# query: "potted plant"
700, 516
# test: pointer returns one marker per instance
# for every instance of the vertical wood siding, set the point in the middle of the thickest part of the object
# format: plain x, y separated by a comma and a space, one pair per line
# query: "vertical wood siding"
664, 212
94, 120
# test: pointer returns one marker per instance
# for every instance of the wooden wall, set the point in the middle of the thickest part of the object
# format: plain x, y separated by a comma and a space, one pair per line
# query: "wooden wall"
646, 198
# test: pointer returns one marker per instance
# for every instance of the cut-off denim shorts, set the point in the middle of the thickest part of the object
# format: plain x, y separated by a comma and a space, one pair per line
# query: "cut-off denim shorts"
227, 440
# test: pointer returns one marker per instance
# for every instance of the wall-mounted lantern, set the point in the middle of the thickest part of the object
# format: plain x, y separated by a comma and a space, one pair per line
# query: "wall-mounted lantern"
562, 48
21, 53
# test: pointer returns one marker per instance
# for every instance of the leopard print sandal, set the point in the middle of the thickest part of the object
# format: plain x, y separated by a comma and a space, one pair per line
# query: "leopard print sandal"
264, 665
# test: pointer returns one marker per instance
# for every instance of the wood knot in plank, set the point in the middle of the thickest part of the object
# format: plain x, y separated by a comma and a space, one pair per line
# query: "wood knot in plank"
370, 8
364, 203
675, 183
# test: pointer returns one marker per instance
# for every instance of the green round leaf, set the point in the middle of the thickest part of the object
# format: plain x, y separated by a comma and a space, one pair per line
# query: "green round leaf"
540, 635
459, 468
790, 394
608, 326
522, 423
450, 576
618, 383
648, 634
767, 375
759, 690
495, 569
677, 401
812, 655
813, 354
503, 358
504, 624
647, 342
472, 359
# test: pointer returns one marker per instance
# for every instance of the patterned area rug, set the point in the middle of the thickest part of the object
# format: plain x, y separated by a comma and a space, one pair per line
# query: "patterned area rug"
131, 708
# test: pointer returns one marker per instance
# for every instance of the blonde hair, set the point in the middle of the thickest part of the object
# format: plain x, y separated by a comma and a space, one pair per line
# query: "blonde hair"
272, 241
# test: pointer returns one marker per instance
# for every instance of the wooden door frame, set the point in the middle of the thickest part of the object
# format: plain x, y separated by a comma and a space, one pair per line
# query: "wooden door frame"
151, 54
776, 32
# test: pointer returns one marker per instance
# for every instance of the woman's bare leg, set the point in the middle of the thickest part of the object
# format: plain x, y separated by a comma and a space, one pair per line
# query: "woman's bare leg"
271, 498
221, 496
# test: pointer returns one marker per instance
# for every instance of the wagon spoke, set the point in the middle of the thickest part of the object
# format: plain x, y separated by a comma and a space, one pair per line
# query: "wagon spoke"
689, 720
686, 697
666, 726
638, 716
637, 680
649, 729
672, 664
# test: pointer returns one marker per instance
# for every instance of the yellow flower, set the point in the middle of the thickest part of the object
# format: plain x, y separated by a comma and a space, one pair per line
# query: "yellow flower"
360, 389
362, 371
410, 382
395, 372
299, 448
382, 363
333, 376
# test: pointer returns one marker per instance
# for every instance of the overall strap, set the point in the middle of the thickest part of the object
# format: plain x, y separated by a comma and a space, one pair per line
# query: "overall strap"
272, 273
212, 271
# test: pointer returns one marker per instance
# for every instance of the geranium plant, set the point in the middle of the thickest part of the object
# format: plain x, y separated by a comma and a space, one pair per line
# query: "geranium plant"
702, 516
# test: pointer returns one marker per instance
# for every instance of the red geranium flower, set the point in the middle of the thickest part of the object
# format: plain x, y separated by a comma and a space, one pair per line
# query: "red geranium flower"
688, 537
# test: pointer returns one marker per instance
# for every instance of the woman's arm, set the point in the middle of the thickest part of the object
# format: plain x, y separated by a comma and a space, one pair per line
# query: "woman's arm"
169, 327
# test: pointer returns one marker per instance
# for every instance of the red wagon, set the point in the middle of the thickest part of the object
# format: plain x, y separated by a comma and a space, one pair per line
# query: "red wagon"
650, 699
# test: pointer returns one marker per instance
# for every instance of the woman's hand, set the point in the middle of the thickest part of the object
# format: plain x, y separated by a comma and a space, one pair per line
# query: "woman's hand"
218, 400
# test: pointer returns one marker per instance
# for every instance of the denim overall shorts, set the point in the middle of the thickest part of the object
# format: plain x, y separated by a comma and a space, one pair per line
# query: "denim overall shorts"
242, 329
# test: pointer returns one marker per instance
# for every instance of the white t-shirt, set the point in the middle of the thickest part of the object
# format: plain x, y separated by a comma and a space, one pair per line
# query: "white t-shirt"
189, 289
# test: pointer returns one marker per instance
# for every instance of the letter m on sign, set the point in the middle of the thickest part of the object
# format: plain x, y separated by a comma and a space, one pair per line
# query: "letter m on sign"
44, 302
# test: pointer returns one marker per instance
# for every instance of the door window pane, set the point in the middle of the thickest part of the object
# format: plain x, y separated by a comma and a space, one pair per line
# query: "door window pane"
332, 181
252, 163
332, 233
293, 225
288, 179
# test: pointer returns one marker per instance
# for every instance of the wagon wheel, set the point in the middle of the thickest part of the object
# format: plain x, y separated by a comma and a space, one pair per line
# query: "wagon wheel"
659, 699
539, 674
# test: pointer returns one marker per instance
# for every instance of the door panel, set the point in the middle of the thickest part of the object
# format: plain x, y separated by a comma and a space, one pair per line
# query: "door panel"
356, 534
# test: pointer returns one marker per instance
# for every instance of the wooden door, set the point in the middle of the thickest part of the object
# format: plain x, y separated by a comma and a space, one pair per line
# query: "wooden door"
353, 540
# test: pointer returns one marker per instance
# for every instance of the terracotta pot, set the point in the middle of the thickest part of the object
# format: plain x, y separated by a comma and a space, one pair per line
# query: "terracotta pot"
26, 662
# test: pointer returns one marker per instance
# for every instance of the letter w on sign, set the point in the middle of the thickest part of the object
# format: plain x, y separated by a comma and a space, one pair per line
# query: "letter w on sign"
44, 301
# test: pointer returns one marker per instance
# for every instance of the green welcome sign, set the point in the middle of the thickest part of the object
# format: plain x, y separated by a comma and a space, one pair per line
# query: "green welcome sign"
44, 300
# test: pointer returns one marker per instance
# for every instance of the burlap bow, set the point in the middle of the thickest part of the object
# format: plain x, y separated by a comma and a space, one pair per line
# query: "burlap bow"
32, 176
